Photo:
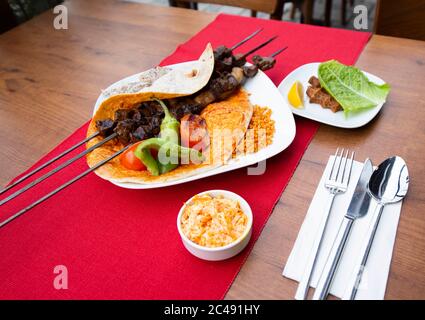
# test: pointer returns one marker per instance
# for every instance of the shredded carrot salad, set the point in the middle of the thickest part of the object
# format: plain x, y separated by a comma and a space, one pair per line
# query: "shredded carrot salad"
213, 221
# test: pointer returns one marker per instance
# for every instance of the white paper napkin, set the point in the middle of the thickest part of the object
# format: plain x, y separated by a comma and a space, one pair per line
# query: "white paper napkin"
375, 275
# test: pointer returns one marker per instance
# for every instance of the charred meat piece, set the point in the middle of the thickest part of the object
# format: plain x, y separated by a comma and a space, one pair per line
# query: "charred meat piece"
105, 127
155, 125
145, 110
314, 81
220, 88
222, 52
123, 114
181, 107
139, 117
318, 95
239, 60
250, 71
124, 129
205, 97
334, 105
313, 93
224, 65
264, 63
139, 134
151, 109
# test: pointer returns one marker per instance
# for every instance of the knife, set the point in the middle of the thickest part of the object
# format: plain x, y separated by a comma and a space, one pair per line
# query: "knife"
358, 208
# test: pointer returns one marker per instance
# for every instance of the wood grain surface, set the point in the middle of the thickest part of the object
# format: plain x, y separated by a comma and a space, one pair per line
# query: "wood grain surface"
50, 79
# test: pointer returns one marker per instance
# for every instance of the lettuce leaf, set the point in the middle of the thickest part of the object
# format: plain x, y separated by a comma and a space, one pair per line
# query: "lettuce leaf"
350, 87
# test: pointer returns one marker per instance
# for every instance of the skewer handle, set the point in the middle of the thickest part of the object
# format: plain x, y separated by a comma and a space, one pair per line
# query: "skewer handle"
31, 173
53, 171
66, 184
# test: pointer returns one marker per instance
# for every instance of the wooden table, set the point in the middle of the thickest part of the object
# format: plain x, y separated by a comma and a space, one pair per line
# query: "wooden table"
50, 79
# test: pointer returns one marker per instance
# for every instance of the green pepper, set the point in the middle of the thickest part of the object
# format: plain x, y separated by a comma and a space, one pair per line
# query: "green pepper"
167, 143
170, 126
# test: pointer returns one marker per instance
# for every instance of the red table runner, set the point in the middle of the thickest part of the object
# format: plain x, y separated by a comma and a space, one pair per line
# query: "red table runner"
123, 244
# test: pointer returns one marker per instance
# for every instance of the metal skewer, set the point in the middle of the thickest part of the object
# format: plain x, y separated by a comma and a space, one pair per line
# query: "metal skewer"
278, 52
246, 39
257, 47
63, 165
29, 174
47, 196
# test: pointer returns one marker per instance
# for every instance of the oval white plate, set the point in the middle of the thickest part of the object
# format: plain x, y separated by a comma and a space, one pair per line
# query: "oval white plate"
314, 111
262, 92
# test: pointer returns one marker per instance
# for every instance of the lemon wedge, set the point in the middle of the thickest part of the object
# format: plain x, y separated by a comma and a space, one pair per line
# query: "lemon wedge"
296, 95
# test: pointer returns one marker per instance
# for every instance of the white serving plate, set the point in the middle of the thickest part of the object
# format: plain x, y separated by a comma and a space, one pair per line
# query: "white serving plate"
315, 112
262, 92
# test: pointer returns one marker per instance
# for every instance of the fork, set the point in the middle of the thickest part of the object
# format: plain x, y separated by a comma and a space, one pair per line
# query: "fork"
336, 183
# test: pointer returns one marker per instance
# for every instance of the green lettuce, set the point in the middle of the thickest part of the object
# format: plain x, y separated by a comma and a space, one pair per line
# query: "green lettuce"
350, 87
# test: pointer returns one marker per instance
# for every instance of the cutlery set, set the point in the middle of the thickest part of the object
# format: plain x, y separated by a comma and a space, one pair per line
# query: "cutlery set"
387, 184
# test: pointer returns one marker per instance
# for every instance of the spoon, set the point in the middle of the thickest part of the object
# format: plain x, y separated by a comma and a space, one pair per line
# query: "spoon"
388, 184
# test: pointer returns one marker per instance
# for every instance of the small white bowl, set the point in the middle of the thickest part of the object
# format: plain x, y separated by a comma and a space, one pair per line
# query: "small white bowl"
227, 251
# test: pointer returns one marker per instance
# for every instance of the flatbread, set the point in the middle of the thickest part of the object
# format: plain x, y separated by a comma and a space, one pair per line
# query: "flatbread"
164, 82
226, 120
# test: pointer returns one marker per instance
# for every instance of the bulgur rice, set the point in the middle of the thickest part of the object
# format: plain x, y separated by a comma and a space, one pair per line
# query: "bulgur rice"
260, 132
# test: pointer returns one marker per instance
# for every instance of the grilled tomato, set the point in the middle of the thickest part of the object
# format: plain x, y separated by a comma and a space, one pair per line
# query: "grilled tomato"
193, 132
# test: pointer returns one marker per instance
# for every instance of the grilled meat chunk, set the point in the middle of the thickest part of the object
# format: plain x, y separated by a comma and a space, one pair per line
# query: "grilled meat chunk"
151, 109
222, 52
263, 63
315, 82
139, 117
123, 114
105, 127
135, 124
224, 65
250, 71
182, 106
220, 88
319, 95
124, 129
239, 60
205, 98
139, 134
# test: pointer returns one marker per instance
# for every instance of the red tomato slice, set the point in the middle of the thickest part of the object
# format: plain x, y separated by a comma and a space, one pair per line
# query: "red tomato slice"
193, 132
130, 161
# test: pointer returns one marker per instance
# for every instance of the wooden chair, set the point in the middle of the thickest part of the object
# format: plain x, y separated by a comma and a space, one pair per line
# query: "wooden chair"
306, 8
8, 20
404, 19
344, 10
272, 7
22, 11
